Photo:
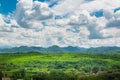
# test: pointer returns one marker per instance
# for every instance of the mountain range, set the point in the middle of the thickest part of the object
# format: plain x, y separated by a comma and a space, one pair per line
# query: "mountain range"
57, 49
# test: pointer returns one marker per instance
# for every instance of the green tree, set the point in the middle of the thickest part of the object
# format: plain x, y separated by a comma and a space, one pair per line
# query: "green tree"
1, 75
41, 76
57, 75
19, 74
95, 69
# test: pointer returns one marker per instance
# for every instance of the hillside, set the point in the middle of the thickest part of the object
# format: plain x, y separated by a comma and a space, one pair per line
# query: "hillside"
57, 49
64, 66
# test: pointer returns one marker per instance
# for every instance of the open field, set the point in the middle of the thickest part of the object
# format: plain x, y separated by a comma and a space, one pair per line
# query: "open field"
32, 64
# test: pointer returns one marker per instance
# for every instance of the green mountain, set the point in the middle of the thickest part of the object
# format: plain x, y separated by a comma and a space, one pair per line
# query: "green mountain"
61, 49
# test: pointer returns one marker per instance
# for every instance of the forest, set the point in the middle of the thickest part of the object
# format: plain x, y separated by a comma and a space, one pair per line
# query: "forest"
60, 66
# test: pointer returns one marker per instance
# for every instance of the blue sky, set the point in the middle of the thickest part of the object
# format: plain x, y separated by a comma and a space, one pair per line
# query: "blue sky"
82, 23
7, 6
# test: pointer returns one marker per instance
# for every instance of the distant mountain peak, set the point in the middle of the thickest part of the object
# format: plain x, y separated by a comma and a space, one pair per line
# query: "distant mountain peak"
56, 48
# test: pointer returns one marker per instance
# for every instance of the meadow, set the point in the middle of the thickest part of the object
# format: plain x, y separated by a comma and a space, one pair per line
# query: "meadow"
60, 66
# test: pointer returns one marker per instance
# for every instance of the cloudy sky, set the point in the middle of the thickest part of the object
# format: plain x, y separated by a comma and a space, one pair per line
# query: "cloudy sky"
82, 23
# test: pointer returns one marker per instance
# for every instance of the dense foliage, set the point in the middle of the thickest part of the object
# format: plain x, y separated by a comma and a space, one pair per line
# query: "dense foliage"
60, 66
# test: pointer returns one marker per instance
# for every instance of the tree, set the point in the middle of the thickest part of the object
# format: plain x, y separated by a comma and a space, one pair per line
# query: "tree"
57, 75
1, 75
41, 76
95, 69
19, 74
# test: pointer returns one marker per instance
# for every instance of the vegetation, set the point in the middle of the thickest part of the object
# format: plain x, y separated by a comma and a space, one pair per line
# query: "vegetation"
60, 66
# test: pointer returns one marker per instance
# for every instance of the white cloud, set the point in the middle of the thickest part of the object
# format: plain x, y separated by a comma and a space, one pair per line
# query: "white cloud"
34, 24
1, 20
108, 13
114, 21
4, 27
29, 14
111, 32
117, 15
67, 6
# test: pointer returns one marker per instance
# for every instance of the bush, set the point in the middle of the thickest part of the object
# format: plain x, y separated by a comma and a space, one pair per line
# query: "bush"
19, 74
57, 75
111, 76
41, 76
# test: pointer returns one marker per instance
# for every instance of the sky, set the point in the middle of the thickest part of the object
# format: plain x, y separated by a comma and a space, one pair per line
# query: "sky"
44, 23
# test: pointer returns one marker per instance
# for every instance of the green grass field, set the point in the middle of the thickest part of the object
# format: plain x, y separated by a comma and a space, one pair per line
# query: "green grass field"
79, 63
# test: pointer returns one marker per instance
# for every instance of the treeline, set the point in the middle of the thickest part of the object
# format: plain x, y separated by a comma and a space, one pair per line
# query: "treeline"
60, 75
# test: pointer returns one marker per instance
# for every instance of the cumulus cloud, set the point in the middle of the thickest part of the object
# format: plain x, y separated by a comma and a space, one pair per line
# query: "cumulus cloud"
30, 14
115, 21
66, 23
111, 32
4, 27
108, 13
89, 5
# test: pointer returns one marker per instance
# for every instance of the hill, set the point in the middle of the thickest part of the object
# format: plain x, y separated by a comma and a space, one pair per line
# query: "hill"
64, 66
61, 49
